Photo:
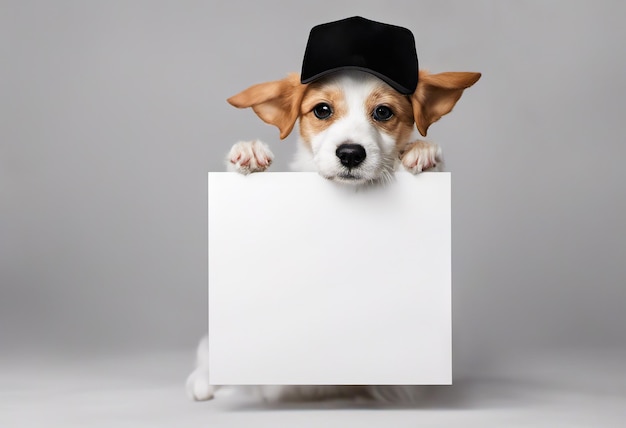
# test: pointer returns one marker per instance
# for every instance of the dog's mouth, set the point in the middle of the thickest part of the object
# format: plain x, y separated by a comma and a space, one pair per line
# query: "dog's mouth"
348, 178
343, 176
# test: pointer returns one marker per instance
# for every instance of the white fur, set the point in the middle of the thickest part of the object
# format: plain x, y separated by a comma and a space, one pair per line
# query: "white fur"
381, 161
246, 157
423, 156
198, 387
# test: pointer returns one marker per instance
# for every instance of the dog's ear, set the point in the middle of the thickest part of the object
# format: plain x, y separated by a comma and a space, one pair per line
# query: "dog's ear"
276, 103
436, 95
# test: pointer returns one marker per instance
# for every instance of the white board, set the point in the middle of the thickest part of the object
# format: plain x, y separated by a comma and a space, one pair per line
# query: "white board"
311, 282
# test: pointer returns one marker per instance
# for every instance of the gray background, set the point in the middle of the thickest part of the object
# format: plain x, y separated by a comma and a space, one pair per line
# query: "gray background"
111, 113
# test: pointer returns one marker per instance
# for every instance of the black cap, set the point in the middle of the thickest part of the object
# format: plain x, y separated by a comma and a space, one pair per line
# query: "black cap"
386, 51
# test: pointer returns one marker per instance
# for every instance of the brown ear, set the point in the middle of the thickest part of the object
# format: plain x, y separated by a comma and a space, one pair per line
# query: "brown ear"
436, 95
276, 103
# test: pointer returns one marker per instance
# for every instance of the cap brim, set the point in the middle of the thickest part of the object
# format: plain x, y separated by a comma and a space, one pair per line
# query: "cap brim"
395, 85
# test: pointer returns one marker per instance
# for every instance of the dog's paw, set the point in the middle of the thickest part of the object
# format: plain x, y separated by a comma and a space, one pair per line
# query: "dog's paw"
421, 156
246, 157
198, 387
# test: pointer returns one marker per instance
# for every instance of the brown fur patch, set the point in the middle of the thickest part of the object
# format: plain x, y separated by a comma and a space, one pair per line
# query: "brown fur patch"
400, 126
316, 93
274, 102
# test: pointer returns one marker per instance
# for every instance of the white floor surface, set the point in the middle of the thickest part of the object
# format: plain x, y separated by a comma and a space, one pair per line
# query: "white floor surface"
148, 391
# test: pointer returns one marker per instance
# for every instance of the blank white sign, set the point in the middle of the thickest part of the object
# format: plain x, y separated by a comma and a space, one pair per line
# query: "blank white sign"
311, 282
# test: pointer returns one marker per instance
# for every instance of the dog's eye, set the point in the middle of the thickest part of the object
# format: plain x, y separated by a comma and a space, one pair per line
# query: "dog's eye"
382, 113
322, 111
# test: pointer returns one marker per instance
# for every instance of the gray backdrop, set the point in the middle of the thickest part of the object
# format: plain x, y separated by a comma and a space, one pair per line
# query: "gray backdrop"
112, 112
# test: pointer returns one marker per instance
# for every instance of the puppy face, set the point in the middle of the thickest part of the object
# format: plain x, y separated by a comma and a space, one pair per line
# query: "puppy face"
354, 124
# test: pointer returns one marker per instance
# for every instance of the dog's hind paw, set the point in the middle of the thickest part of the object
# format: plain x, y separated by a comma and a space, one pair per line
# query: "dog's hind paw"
198, 387
420, 156
246, 157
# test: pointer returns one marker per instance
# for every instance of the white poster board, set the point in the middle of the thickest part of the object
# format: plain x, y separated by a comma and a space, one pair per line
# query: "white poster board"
311, 282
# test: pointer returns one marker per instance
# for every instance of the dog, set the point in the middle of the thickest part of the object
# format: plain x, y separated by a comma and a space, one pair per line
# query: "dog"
355, 130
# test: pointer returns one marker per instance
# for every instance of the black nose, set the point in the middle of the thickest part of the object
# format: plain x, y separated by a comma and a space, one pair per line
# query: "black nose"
351, 155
